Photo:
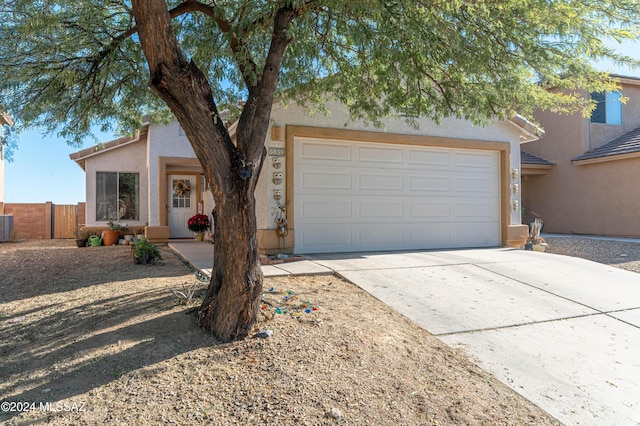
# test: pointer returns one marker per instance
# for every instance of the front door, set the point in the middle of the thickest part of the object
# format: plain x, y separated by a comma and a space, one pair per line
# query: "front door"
181, 204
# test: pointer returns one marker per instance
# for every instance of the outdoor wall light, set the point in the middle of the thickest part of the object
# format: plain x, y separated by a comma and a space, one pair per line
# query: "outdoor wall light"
277, 133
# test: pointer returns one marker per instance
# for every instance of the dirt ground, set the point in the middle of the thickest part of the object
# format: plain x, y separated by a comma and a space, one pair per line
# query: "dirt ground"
87, 337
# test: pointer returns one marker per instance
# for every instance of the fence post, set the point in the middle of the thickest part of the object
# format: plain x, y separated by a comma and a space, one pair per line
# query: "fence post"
48, 219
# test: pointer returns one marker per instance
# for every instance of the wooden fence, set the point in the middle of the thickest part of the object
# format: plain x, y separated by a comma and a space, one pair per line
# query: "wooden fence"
65, 220
44, 220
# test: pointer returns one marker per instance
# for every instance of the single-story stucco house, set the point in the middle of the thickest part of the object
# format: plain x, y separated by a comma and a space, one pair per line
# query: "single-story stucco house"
353, 188
583, 175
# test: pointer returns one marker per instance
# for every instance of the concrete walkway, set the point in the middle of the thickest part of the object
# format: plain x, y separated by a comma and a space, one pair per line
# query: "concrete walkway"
563, 332
200, 256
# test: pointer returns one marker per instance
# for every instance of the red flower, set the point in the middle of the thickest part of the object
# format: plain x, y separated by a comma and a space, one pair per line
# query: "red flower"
198, 223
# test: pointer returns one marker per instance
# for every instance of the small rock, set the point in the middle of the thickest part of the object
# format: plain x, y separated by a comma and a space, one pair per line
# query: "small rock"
335, 414
264, 333
47, 390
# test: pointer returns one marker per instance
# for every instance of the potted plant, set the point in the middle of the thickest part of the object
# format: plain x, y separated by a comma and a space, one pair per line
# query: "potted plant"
198, 224
81, 238
112, 235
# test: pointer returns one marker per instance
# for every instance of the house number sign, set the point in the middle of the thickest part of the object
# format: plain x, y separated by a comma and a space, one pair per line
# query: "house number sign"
276, 152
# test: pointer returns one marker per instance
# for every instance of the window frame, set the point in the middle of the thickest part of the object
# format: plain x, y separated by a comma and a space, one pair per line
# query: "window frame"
108, 201
608, 108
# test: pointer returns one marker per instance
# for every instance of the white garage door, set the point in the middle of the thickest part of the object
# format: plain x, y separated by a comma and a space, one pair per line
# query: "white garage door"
355, 196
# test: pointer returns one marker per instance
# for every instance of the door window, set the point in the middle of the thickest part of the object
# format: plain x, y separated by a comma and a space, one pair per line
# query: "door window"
181, 194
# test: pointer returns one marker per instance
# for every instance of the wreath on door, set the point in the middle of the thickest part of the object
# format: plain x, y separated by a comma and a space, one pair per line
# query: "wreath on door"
181, 188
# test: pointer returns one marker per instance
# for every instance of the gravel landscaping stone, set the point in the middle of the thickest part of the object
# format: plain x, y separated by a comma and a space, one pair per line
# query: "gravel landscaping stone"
104, 341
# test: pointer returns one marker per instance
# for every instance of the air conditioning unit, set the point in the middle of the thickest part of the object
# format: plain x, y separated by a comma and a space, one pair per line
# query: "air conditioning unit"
6, 226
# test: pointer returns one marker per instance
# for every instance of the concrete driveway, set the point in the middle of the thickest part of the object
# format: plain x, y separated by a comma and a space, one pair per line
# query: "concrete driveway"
563, 332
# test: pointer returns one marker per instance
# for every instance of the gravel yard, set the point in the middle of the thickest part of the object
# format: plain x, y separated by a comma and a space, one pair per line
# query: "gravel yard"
102, 340
87, 337
621, 254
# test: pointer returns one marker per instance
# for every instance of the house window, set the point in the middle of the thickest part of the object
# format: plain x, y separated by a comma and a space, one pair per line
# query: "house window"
608, 108
117, 196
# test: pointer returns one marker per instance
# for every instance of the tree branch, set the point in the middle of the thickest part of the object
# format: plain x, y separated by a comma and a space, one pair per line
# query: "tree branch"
258, 108
183, 86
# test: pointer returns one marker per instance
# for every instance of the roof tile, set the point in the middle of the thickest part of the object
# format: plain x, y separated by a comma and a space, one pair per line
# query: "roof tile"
624, 144
526, 158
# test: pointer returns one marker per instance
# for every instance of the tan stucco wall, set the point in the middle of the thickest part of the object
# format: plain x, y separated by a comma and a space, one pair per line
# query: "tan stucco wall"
170, 142
599, 199
584, 199
450, 133
128, 159
601, 133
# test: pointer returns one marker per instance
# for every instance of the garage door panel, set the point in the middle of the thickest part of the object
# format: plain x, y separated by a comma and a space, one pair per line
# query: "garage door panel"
430, 209
477, 235
476, 184
375, 182
326, 238
315, 210
380, 210
478, 211
326, 179
438, 183
380, 156
476, 160
371, 237
420, 198
431, 235
333, 151
429, 157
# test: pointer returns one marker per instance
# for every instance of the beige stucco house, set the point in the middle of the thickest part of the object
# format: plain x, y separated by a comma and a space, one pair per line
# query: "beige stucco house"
353, 188
583, 175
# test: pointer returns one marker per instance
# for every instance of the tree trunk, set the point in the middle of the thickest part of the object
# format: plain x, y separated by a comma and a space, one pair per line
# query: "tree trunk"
231, 305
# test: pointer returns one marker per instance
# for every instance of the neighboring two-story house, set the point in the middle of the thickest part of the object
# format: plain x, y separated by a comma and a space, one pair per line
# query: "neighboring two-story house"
583, 175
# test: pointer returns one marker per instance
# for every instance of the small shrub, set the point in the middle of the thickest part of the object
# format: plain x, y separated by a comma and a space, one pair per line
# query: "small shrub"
115, 226
186, 295
144, 252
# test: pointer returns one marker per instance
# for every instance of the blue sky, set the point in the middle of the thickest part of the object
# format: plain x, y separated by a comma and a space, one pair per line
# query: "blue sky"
42, 170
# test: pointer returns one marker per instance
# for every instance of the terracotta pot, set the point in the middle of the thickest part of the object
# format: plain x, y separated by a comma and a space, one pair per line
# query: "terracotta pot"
110, 238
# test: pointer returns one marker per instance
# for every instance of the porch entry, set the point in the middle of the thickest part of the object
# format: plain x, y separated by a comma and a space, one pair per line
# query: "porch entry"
181, 204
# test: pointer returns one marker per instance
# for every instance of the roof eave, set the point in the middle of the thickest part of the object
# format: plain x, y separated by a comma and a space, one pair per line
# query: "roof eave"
535, 169
81, 156
606, 158
529, 132
5, 118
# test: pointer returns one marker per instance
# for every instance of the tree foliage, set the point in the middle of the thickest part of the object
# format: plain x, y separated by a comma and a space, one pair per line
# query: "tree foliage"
8, 143
71, 64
